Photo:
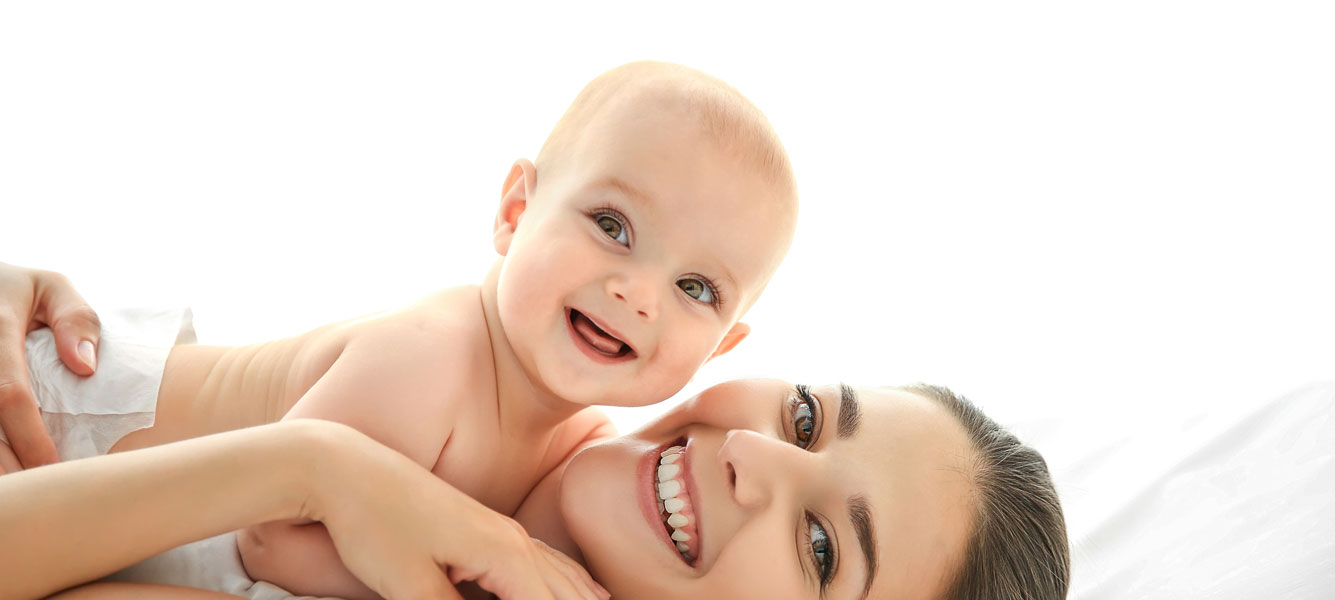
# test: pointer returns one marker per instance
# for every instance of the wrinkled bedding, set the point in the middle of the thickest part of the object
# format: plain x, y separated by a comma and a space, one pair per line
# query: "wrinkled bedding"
1235, 503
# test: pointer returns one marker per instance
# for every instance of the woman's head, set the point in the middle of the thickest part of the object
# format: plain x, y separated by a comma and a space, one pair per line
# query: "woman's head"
877, 491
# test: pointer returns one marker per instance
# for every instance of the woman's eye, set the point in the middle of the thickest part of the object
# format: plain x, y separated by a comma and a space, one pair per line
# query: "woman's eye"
613, 227
822, 552
698, 289
804, 417
804, 425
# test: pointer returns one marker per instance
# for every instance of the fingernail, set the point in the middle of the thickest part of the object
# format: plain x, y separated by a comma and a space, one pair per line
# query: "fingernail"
606, 594
87, 353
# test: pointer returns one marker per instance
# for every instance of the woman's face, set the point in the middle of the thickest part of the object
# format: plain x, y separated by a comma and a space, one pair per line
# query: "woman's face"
780, 488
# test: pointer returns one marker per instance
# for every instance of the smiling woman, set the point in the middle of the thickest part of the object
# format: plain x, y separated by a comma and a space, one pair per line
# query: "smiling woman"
775, 491
761, 489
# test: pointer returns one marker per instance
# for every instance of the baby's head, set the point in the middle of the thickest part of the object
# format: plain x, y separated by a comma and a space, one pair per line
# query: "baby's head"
652, 219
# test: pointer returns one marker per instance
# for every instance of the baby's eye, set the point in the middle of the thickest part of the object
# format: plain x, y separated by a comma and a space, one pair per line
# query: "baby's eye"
699, 289
613, 227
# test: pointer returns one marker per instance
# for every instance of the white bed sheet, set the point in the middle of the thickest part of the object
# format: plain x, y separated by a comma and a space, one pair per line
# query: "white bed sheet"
1208, 503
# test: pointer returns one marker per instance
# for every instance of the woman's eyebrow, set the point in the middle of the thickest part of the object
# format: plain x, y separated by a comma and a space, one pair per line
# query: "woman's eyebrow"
859, 512
850, 412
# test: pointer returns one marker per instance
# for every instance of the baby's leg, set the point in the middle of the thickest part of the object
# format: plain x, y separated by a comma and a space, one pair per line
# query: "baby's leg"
9, 463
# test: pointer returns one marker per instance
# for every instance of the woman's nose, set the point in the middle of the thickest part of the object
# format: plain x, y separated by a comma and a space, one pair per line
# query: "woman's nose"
638, 290
758, 466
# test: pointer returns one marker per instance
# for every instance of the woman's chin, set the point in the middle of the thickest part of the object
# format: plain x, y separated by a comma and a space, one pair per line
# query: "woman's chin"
599, 501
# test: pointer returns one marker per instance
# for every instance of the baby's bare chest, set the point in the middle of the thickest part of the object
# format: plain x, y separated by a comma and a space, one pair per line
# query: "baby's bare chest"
493, 469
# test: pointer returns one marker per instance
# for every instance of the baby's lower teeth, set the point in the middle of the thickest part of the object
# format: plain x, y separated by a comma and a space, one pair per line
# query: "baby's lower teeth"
674, 505
678, 520
683, 547
680, 536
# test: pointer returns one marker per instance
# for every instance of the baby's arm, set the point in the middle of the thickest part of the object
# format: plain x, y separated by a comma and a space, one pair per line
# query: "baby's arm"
390, 382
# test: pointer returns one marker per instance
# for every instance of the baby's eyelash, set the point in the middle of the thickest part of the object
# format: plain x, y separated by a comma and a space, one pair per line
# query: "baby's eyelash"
713, 290
607, 210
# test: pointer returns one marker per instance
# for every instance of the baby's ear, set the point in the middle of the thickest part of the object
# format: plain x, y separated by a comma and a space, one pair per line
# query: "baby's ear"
731, 339
521, 182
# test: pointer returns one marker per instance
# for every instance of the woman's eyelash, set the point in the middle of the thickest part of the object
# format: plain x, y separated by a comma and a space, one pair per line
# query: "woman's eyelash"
824, 566
805, 416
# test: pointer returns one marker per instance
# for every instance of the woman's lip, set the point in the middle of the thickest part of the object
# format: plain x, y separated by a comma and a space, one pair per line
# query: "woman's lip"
647, 476
693, 493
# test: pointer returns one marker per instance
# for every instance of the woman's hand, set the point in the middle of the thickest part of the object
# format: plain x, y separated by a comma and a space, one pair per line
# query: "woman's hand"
408, 534
31, 299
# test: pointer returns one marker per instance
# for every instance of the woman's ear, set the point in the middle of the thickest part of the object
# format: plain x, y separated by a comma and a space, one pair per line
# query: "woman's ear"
519, 185
731, 339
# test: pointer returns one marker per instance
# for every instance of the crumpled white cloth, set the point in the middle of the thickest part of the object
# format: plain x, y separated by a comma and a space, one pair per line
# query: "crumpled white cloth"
86, 416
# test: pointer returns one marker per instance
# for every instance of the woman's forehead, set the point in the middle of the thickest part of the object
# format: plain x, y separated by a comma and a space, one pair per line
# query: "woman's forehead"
909, 460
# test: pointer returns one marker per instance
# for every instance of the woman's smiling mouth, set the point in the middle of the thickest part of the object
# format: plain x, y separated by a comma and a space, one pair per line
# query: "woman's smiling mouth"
675, 518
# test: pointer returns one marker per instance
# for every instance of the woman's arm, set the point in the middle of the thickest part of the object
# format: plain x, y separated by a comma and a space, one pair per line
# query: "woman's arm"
99, 515
400, 529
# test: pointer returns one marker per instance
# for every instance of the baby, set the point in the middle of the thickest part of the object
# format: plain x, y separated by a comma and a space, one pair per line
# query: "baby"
652, 219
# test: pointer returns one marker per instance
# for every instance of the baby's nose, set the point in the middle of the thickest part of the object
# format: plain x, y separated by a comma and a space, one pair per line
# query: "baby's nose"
637, 291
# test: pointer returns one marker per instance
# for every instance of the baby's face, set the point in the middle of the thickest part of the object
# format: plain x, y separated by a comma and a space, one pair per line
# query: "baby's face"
632, 261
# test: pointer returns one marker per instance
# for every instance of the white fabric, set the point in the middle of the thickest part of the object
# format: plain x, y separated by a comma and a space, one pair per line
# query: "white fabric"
210, 564
86, 416
1204, 504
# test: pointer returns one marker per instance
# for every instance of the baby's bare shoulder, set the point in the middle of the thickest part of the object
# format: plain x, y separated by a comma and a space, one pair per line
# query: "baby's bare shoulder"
399, 374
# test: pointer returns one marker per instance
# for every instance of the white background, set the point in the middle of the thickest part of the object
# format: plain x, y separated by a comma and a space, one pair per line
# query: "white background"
1096, 213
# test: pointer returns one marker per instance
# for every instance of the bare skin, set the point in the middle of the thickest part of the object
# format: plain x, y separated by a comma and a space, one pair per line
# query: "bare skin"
624, 273
439, 358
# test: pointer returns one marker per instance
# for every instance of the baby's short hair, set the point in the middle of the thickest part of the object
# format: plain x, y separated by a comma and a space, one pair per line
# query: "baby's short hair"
722, 112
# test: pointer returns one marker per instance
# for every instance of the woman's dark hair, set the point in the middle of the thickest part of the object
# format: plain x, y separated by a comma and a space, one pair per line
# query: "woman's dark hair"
1018, 548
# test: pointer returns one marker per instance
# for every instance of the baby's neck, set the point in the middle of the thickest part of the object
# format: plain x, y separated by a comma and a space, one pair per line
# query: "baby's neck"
525, 405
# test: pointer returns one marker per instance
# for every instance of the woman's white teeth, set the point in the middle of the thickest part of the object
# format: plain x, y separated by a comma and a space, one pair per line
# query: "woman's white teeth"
668, 489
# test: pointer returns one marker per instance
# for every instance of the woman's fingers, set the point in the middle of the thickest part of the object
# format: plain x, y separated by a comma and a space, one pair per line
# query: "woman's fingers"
75, 324
573, 571
30, 299
522, 567
431, 584
19, 417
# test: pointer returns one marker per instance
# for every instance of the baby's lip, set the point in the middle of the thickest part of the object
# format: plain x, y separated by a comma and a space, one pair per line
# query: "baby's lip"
603, 328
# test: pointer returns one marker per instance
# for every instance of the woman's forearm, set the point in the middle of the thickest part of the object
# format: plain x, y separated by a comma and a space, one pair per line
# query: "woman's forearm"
72, 522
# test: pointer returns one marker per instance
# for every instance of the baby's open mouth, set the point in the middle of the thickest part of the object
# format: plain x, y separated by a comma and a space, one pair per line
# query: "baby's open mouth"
600, 341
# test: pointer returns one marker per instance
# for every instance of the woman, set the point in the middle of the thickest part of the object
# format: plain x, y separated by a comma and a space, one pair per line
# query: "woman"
783, 492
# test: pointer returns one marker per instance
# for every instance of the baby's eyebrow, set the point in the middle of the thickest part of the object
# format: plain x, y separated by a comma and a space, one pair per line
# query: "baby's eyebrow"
628, 190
